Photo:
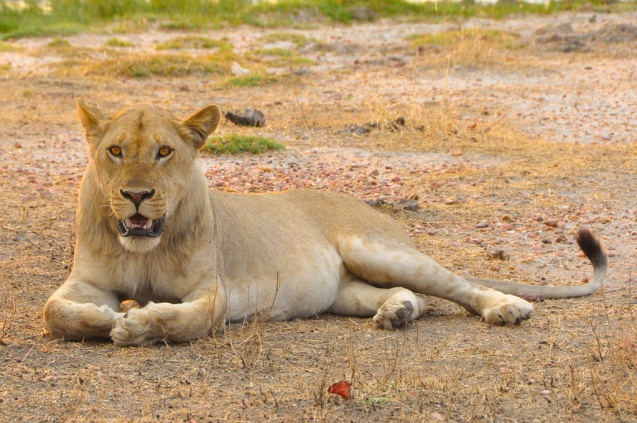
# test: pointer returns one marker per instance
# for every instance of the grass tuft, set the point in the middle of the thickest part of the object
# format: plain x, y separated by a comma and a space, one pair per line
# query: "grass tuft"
251, 81
8, 47
280, 57
116, 42
235, 144
194, 42
298, 39
164, 65
467, 47
59, 42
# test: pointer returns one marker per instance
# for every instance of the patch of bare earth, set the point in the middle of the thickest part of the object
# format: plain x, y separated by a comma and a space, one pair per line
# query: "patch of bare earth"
535, 141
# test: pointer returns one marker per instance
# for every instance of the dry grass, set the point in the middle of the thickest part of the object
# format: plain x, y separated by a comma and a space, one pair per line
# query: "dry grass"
466, 47
164, 65
573, 361
117, 42
298, 39
280, 57
193, 42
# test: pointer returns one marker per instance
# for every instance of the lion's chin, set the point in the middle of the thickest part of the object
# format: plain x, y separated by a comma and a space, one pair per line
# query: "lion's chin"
137, 244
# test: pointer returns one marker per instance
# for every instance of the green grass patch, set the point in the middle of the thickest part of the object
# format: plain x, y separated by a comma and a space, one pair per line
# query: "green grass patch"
116, 42
298, 39
280, 57
194, 42
251, 81
72, 16
59, 43
235, 144
281, 52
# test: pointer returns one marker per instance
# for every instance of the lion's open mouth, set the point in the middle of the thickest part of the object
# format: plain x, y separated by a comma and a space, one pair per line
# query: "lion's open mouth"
139, 225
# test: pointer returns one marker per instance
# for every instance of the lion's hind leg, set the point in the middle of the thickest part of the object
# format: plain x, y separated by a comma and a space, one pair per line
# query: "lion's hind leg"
387, 264
391, 308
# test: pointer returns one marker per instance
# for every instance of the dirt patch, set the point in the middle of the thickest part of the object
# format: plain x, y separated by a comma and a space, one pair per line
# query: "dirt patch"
534, 142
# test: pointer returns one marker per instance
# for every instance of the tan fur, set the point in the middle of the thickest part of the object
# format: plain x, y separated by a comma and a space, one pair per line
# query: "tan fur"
223, 256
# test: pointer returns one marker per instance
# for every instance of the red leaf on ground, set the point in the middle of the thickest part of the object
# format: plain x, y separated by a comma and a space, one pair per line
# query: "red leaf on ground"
340, 388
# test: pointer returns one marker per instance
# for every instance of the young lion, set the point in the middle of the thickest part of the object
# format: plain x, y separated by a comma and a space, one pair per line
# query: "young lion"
149, 229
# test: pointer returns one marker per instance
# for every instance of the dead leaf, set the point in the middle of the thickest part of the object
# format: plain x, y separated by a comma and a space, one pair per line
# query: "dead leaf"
341, 388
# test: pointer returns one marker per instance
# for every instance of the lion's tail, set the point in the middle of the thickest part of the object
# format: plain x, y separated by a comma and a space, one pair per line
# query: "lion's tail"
590, 245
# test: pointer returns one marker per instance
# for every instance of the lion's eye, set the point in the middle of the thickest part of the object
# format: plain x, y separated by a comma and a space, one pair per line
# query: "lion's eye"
115, 151
164, 151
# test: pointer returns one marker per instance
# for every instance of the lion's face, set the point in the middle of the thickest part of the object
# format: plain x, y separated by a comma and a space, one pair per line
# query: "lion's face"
143, 159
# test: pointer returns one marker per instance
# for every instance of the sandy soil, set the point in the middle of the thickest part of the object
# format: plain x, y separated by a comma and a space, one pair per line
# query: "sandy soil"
536, 141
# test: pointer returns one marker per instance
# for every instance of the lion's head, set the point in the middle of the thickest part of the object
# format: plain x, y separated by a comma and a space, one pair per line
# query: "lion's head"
143, 162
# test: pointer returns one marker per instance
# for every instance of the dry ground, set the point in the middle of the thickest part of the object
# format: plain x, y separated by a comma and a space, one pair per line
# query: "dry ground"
535, 138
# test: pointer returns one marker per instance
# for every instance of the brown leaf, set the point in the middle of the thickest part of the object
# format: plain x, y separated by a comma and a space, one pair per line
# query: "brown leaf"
341, 388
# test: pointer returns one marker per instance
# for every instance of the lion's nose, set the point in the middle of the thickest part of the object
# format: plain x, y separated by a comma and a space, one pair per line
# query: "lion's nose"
137, 197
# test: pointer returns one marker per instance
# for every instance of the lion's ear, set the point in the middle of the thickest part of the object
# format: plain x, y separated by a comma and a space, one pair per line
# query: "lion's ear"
201, 124
91, 119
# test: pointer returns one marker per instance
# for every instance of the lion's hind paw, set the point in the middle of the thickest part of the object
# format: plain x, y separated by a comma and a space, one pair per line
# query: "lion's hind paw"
508, 310
392, 315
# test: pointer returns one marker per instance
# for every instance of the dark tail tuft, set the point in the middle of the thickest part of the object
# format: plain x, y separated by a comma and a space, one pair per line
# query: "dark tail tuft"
592, 247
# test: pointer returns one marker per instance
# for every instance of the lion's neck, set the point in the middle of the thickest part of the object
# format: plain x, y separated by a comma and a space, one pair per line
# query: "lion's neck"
192, 222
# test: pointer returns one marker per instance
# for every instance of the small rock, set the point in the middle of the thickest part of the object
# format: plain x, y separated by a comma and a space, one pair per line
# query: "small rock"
483, 224
551, 223
376, 203
17, 145
251, 117
238, 70
436, 416
456, 153
545, 392
451, 200
410, 205
49, 378
498, 255
507, 218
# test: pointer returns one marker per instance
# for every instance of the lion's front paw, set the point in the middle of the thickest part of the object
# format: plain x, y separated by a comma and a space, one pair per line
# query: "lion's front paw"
134, 328
507, 310
392, 315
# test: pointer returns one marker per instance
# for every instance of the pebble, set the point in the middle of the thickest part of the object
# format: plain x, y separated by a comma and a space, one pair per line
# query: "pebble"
545, 392
436, 416
483, 224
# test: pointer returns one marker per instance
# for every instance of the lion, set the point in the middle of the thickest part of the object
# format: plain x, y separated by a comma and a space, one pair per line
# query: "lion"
150, 229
